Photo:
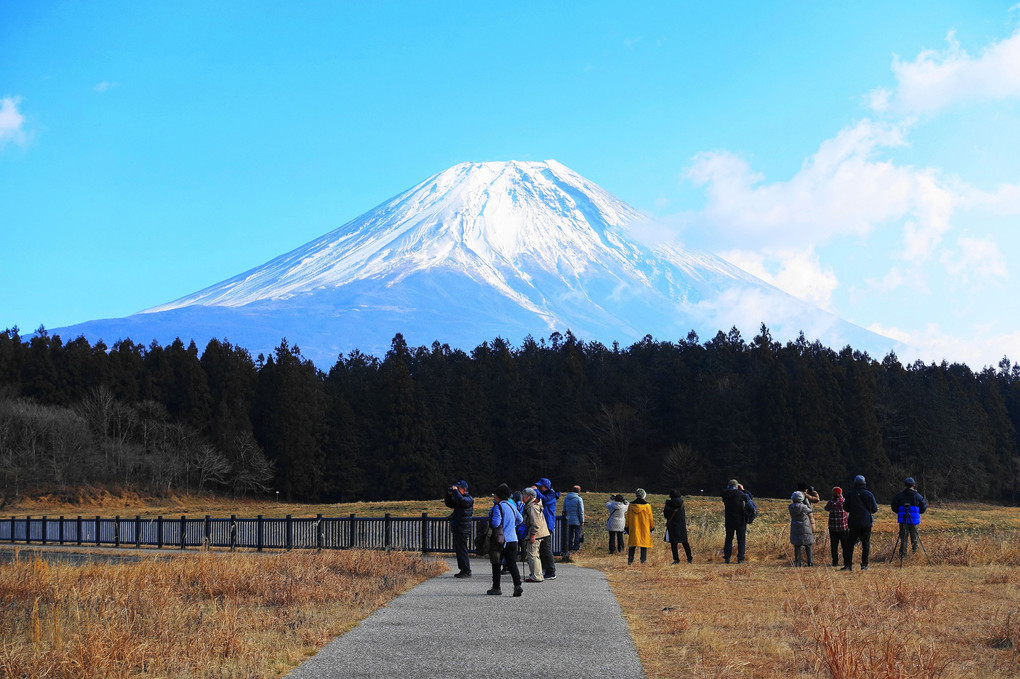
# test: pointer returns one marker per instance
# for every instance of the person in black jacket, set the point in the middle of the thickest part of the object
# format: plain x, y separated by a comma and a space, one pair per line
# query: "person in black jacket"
860, 506
462, 504
908, 505
734, 502
676, 525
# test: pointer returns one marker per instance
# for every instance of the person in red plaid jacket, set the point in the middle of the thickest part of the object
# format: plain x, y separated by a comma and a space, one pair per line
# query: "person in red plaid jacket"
839, 530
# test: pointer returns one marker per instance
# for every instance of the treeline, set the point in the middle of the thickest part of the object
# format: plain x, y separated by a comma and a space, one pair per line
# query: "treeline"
657, 414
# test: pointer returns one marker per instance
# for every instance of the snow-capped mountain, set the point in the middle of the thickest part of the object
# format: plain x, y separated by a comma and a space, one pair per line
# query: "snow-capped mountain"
478, 251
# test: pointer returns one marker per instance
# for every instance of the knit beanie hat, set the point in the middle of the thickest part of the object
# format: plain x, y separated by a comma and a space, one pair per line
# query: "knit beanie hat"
836, 490
502, 491
909, 481
640, 492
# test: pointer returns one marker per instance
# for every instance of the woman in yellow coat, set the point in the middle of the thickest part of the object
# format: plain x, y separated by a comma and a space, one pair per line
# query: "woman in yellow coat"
639, 526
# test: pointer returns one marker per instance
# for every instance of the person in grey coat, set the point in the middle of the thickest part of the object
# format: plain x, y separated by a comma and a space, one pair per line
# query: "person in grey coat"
617, 521
801, 534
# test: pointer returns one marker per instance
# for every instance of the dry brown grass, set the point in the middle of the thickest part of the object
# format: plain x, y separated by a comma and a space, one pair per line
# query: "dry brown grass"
958, 617
204, 615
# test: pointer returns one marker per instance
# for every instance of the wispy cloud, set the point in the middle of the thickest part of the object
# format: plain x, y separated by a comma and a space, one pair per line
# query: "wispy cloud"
975, 260
105, 86
797, 272
932, 344
936, 79
12, 122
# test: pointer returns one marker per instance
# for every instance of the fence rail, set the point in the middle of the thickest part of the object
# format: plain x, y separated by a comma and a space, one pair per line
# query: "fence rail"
425, 534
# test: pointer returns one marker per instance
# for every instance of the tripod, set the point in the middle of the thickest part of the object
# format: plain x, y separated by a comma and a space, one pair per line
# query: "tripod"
899, 537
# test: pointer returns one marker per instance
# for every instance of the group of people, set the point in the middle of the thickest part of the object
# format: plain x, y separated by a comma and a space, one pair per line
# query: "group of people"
522, 523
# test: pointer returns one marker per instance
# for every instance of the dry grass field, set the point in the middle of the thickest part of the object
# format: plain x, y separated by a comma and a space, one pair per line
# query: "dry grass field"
958, 616
203, 615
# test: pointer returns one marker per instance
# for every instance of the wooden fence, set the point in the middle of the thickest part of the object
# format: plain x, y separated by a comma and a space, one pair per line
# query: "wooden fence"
425, 534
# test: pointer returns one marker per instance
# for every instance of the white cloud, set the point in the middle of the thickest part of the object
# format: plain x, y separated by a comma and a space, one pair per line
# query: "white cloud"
843, 189
797, 272
975, 260
12, 122
931, 344
937, 79
105, 86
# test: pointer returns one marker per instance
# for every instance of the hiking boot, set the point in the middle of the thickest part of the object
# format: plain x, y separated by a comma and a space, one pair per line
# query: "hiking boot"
847, 568
462, 574
495, 592
518, 591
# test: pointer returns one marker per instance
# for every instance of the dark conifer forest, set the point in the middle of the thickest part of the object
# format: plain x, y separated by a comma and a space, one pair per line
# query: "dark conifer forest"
658, 414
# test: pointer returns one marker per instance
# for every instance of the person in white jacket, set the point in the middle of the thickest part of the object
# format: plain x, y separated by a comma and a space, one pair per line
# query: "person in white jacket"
617, 507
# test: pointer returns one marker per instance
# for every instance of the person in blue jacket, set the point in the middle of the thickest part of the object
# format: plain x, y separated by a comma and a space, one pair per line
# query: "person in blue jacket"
908, 505
548, 496
573, 510
860, 506
504, 519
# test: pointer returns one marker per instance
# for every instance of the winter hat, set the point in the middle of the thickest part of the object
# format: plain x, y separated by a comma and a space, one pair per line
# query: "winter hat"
462, 484
502, 491
797, 496
909, 480
836, 490
618, 498
640, 492
859, 480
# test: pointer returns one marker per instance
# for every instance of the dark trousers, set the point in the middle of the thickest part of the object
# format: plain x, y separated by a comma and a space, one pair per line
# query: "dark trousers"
807, 555
508, 550
574, 538
863, 535
545, 555
676, 552
616, 535
837, 540
908, 529
460, 548
741, 533
630, 554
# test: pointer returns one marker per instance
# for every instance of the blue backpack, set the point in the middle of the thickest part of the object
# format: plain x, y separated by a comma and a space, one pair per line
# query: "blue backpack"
750, 510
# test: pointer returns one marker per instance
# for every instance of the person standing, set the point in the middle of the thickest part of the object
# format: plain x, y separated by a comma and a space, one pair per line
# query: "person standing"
534, 519
734, 503
839, 531
616, 523
801, 533
676, 526
640, 525
908, 506
860, 506
573, 510
457, 498
548, 496
504, 519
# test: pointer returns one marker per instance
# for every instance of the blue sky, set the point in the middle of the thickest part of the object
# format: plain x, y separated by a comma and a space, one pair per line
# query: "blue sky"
863, 156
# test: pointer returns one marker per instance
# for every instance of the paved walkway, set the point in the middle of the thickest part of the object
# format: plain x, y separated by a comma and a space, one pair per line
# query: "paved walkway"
568, 627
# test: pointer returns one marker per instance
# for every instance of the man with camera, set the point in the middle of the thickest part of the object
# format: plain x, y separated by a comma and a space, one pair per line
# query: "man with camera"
462, 504
908, 506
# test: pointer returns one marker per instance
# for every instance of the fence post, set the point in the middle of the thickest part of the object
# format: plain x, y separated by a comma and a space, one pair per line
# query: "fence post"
387, 539
138, 532
60, 533
207, 529
13, 521
77, 527
43, 530
116, 531
99, 536
28, 530
424, 533
318, 532
233, 531
184, 531
159, 532
350, 543
289, 538
259, 535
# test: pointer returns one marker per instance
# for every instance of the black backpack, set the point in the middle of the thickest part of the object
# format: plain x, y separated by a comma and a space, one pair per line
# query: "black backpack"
750, 511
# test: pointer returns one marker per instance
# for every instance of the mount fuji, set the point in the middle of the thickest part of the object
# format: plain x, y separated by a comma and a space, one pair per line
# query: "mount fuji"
479, 251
